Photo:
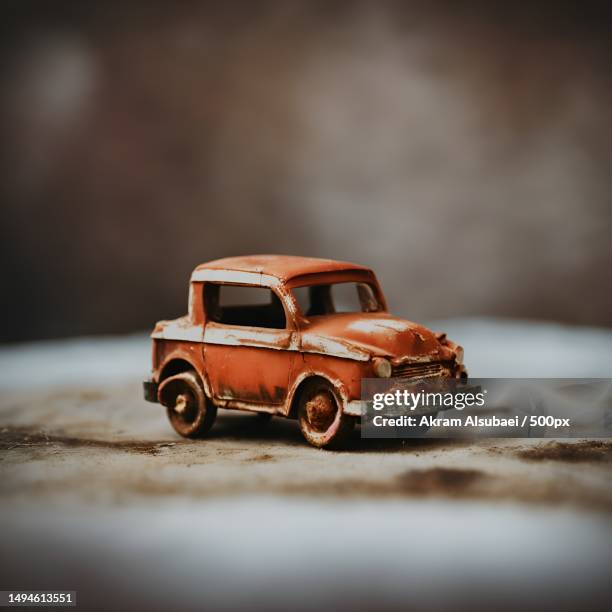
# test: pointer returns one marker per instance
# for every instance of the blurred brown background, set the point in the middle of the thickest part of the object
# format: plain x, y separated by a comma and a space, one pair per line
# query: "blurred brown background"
464, 153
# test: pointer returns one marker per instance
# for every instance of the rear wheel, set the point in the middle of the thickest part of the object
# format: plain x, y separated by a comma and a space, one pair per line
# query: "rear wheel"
189, 411
322, 421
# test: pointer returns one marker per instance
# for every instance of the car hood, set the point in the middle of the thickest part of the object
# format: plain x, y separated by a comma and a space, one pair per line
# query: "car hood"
369, 334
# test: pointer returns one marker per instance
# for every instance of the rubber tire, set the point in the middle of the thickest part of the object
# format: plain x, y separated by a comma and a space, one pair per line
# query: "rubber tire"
332, 429
199, 414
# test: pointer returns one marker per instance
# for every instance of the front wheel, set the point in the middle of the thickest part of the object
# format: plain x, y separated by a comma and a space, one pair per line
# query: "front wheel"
189, 411
322, 422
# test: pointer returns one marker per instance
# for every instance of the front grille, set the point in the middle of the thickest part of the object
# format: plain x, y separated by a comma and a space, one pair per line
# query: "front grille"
420, 370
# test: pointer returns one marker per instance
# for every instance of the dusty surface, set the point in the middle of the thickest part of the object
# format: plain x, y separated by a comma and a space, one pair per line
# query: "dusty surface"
90, 443
584, 451
99, 494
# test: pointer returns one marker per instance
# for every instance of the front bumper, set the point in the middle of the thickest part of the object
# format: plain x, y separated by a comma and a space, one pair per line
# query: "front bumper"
149, 389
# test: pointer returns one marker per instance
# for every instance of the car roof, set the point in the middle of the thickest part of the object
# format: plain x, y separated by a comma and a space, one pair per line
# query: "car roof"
283, 267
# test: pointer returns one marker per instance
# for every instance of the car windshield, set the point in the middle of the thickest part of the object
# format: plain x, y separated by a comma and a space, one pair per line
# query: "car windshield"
335, 298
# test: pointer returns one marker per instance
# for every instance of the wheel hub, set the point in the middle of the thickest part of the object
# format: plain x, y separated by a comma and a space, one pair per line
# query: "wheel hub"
181, 403
321, 410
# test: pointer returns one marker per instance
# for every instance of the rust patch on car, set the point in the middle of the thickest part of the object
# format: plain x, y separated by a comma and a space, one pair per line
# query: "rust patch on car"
321, 410
573, 452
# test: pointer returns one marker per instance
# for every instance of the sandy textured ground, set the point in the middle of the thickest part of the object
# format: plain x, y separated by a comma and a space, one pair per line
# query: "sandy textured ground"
92, 443
100, 495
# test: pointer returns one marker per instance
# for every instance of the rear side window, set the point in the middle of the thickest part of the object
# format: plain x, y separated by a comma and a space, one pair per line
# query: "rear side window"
242, 305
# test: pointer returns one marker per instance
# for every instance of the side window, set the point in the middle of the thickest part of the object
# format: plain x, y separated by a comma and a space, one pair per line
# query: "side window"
346, 298
337, 298
242, 305
354, 297
314, 300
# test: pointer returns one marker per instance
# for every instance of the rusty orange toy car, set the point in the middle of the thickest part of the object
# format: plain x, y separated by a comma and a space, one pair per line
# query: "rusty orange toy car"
286, 336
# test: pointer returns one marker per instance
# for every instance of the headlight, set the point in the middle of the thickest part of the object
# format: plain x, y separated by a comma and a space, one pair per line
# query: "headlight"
382, 367
459, 355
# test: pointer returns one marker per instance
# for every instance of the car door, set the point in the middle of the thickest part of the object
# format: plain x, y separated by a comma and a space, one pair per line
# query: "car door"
247, 344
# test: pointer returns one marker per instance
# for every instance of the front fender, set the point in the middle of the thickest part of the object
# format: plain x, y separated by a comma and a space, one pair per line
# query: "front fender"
344, 374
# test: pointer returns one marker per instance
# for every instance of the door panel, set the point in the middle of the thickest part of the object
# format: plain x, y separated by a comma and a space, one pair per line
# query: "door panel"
249, 364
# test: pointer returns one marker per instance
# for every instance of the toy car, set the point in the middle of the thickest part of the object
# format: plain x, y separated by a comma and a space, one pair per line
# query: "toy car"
286, 336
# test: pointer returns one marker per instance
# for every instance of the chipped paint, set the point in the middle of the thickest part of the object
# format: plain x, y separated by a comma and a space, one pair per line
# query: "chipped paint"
236, 335
314, 343
257, 279
374, 326
247, 406
191, 302
376, 334
179, 329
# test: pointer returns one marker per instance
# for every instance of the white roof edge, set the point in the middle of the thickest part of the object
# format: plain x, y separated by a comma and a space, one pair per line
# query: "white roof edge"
235, 276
